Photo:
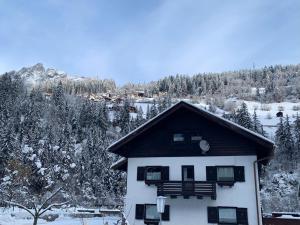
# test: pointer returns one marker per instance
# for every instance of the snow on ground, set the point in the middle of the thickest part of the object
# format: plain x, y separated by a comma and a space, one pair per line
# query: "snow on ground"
21, 217
267, 113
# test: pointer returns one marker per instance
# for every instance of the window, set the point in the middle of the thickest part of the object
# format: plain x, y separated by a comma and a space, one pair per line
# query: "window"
153, 173
187, 173
227, 215
225, 174
151, 212
178, 137
195, 137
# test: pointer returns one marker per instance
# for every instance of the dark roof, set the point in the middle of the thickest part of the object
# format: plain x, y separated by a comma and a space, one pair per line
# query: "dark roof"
259, 139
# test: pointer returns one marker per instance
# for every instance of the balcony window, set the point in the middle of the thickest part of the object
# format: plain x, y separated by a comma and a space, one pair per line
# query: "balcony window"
151, 213
225, 174
153, 173
178, 138
227, 215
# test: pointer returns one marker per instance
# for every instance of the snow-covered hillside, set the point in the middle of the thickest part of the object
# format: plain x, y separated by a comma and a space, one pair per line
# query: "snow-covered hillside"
267, 113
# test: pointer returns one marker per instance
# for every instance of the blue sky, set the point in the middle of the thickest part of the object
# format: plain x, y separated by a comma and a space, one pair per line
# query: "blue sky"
143, 40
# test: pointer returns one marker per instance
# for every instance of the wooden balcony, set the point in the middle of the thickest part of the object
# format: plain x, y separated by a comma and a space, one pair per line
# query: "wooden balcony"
186, 189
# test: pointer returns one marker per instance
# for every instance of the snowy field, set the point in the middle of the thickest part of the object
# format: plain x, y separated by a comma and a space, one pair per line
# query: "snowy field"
20, 217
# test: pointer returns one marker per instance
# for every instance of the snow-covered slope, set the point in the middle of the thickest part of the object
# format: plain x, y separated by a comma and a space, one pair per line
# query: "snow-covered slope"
267, 113
38, 74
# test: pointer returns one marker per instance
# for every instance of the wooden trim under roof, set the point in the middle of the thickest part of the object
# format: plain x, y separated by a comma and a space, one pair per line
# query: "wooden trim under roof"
257, 138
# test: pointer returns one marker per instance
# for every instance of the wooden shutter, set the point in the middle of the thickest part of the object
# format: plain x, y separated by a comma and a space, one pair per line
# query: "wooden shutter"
166, 215
211, 173
239, 173
242, 216
212, 215
141, 173
165, 173
139, 211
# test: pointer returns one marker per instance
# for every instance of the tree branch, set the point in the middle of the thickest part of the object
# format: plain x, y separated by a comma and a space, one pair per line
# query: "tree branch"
52, 205
49, 198
20, 206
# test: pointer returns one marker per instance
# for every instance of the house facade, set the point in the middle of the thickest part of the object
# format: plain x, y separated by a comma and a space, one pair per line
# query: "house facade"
206, 167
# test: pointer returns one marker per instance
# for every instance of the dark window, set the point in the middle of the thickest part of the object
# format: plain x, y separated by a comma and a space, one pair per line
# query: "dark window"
178, 138
227, 215
195, 137
188, 178
151, 212
153, 173
188, 173
225, 173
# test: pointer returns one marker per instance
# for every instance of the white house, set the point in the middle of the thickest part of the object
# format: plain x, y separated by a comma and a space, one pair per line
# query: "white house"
206, 166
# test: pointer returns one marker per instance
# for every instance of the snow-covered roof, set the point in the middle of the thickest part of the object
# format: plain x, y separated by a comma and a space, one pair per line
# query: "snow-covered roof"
222, 121
119, 163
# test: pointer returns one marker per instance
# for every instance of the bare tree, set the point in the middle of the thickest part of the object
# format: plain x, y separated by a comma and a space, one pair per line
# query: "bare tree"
39, 209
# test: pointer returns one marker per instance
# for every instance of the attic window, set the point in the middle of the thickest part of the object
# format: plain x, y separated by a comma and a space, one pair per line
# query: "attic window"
178, 137
196, 137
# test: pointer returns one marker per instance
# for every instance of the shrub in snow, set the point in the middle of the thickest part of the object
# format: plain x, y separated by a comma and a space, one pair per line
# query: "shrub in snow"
280, 108
296, 107
269, 116
265, 107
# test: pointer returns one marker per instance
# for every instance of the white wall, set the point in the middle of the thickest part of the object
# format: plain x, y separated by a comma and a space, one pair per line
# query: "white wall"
192, 211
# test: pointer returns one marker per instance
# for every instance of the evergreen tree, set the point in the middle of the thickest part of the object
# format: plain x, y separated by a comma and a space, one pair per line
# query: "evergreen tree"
153, 110
124, 122
296, 132
242, 117
257, 127
139, 120
289, 143
285, 153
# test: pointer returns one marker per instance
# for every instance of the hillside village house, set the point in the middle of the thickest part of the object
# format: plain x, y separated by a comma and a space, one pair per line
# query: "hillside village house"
206, 167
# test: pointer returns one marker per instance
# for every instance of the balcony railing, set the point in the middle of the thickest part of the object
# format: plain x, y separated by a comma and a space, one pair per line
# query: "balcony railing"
199, 189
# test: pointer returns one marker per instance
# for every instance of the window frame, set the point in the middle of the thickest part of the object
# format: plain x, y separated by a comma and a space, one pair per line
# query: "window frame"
151, 181
179, 142
195, 134
227, 207
187, 167
150, 221
225, 182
